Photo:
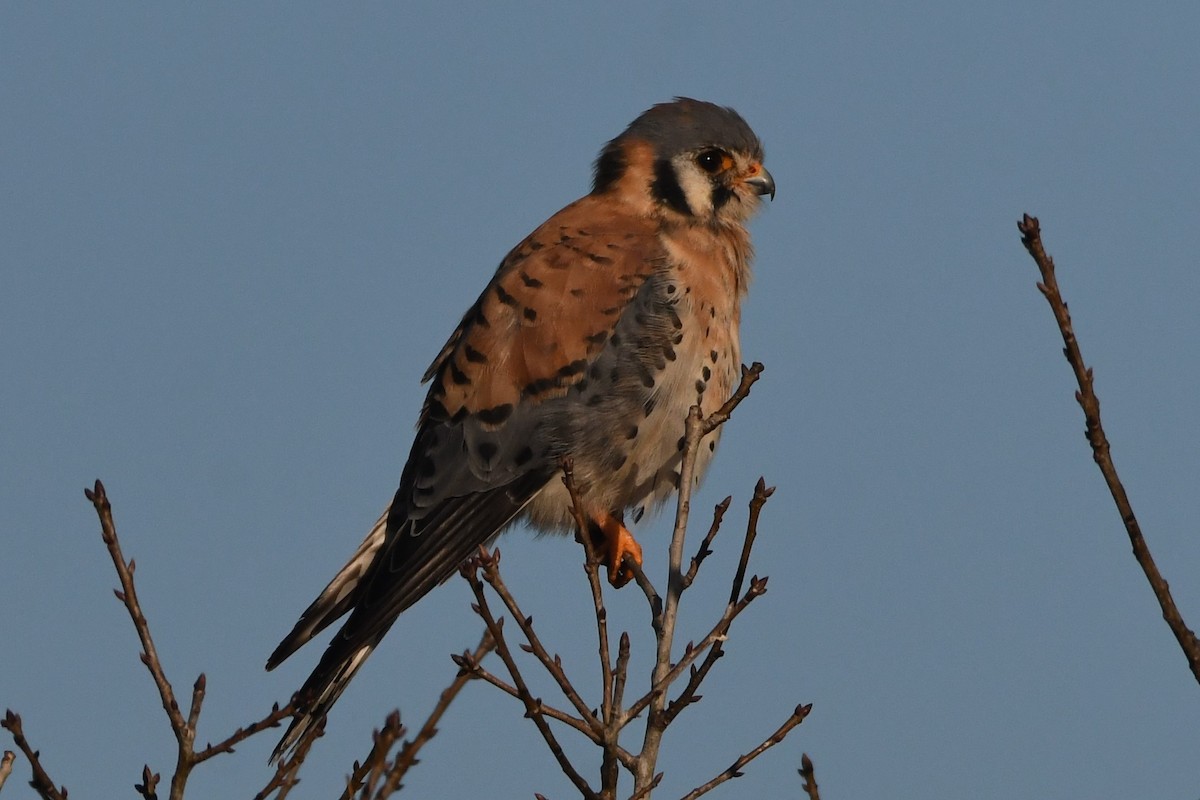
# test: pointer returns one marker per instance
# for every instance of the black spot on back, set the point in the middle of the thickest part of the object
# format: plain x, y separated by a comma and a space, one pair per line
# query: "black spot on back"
505, 297
459, 377
495, 415
487, 451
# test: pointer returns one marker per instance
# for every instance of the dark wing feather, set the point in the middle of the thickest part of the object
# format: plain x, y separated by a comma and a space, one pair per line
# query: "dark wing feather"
544, 318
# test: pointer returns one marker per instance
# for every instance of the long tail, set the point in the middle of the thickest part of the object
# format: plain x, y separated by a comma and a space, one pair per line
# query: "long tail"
336, 598
335, 670
322, 689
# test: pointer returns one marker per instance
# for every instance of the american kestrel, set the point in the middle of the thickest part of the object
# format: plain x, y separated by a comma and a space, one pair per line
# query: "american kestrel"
595, 336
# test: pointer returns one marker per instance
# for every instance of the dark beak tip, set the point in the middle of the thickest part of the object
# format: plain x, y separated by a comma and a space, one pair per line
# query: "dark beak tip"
763, 183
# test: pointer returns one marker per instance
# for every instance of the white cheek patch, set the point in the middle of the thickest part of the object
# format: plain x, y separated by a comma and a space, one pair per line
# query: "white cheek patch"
695, 184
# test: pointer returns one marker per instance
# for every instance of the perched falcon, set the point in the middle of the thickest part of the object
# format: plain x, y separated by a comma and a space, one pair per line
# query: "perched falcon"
595, 336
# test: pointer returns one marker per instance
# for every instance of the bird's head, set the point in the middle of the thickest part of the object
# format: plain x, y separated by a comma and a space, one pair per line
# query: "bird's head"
687, 159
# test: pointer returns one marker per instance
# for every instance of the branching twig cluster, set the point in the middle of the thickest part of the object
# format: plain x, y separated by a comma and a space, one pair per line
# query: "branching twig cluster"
376, 778
380, 773
604, 725
1031, 237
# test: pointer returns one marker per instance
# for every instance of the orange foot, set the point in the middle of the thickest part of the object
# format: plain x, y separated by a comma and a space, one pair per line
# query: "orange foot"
616, 545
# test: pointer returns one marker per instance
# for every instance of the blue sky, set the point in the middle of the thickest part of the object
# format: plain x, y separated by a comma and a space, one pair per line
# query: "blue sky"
234, 237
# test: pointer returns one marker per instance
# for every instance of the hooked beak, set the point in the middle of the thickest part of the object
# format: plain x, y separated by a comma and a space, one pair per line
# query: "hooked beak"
762, 182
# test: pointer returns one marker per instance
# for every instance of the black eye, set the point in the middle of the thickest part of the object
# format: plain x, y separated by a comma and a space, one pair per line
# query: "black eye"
711, 161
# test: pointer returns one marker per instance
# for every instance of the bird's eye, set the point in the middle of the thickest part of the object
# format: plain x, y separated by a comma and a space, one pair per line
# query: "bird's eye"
713, 161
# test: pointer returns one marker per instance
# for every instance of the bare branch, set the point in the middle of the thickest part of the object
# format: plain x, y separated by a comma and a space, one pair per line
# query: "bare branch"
407, 756
533, 706
604, 729
1031, 237
271, 720
591, 567
148, 788
366, 776
491, 678
704, 552
552, 665
719, 417
621, 673
648, 788
758, 587
695, 429
128, 595
734, 770
41, 782
761, 493
609, 710
184, 729
285, 770
809, 777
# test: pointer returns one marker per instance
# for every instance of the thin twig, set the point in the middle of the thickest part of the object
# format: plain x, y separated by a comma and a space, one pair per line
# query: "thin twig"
758, 587
750, 376
277, 714
704, 552
656, 604
761, 494
409, 750
127, 594
367, 774
809, 777
492, 679
648, 788
655, 699
734, 770
606, 726
698, 674
286, 768
1031, 237
696, 428
552, 664
40, 782
621, 673
148, 788
183, 728
533, 706
592, 568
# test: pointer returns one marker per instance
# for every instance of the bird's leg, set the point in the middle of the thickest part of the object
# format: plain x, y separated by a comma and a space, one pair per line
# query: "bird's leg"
614, 543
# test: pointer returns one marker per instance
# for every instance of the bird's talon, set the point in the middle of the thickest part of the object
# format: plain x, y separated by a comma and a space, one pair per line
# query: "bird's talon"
617, 546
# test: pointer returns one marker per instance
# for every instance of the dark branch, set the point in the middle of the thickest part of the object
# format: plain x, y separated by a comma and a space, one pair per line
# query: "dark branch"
271, 720
809, 777
734, 770
533, 706
407, 757
40, 782
1031, 237
704, 552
